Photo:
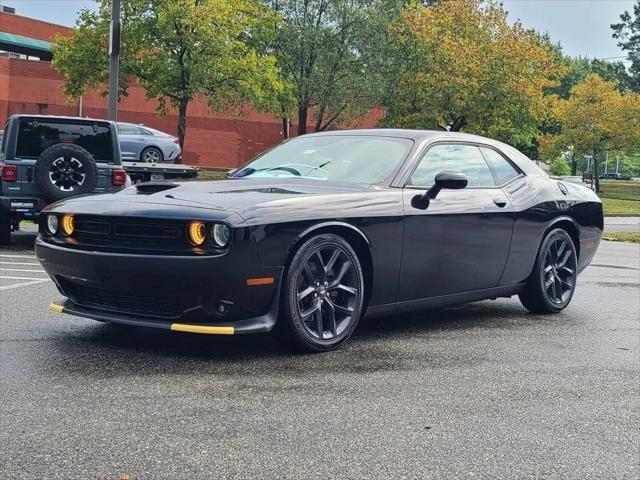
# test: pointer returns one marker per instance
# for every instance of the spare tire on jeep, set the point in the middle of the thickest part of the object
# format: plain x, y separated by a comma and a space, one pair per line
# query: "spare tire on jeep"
66, 170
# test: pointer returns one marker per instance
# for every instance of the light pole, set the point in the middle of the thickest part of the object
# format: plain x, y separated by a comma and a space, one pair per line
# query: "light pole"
114, 59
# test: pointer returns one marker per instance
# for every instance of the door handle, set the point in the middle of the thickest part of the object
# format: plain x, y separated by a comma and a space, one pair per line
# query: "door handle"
500, 202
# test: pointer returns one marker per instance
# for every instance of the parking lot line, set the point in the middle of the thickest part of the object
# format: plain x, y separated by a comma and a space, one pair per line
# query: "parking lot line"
17, 256
20, 263
22, 284
5, 277
20, 270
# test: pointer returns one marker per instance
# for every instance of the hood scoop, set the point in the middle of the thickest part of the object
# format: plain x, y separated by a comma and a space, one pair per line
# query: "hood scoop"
150, 188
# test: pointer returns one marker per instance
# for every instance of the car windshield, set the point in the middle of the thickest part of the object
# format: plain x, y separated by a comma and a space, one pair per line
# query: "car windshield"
340, 158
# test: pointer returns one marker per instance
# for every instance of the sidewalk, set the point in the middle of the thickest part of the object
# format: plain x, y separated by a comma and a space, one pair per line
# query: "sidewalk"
622, 224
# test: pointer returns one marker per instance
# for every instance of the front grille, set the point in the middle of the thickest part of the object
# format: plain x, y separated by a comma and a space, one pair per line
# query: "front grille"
147, 304
131, 234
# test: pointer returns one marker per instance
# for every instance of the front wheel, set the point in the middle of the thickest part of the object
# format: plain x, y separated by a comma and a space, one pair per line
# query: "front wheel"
553, 280
323, 295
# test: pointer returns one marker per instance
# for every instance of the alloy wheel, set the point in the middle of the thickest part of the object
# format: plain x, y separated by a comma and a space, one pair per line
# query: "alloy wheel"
326, 293
67, 173
559, 273
151, 156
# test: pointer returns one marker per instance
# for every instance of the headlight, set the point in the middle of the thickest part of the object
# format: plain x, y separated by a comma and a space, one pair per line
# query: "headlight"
51, 225
220, 234
67, 224
197, 233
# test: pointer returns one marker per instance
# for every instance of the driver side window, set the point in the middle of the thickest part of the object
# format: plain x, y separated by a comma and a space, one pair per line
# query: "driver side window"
466, 159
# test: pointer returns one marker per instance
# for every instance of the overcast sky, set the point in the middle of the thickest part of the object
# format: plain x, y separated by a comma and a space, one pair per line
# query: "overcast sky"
581, 26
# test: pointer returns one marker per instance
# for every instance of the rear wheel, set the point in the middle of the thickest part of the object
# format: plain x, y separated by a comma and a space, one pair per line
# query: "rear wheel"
5, 226
151, 155
323, 295
553, 280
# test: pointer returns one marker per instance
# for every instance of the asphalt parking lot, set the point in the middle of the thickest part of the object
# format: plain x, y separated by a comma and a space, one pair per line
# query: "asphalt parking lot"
479, 391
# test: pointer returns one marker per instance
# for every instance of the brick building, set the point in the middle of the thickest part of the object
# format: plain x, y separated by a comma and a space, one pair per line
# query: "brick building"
30, 86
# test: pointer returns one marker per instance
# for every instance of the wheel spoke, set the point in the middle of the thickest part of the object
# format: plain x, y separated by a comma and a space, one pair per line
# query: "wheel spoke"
307, 271
311, 310
548, 282
320, 265
332, 261
567, 282
565, 258
558, 289
567, 269
560, 249
340, 309
343, 270
554, 294
331, 314
345, 288
318, 318
305, 293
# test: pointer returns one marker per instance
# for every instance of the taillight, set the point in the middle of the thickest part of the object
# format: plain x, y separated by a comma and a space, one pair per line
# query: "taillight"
9, 173
118, 177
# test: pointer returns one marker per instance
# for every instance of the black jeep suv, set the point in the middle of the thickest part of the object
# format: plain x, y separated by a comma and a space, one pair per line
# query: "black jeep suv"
44, 159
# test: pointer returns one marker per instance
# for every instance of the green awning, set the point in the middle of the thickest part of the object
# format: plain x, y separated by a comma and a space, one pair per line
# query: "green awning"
24, 42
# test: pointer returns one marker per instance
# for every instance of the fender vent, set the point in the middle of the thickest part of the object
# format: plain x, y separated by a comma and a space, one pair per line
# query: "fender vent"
154, 187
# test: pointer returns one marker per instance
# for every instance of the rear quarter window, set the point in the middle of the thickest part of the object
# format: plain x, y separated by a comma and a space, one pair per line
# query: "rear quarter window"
35, 136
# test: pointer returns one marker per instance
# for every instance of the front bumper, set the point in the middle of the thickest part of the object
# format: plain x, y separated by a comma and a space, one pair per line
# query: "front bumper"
181, 293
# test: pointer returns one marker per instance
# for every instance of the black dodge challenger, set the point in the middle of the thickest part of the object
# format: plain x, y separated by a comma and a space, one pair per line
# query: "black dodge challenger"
318, 231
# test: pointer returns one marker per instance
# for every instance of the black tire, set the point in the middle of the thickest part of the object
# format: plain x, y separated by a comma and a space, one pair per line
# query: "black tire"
325, 278
66, 170
151, 155
552, 283
5, 225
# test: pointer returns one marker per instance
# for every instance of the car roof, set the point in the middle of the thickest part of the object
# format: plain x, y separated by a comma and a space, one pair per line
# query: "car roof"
60, 117
417, 135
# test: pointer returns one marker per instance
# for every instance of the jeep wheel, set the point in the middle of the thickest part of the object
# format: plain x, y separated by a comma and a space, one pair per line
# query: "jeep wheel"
66, 170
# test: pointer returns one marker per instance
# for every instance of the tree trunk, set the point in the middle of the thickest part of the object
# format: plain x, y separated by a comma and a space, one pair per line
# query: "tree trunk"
574, 164
302, 120
596, 179
319, 118
457, 124
182, 123
285, 127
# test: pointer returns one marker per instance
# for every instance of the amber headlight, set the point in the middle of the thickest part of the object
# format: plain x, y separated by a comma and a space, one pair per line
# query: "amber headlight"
197, 233
51, 225
67, 224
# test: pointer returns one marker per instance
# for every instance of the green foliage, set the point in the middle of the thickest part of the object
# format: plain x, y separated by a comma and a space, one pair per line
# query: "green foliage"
559, 167
330, 50
622, 236
595, 119
463, 66
627, 32
177, 50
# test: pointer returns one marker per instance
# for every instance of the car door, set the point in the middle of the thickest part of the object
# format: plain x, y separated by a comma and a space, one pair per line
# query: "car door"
130, 141
461, 241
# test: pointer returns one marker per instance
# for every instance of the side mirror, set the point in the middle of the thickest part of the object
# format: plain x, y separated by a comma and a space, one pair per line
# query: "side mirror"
444, 179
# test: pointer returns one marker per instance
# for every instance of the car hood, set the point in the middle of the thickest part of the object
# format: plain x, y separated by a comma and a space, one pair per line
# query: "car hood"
255, 201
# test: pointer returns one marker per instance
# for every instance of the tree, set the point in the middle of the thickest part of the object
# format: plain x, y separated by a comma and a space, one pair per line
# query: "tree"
627, 32
465, 67
559, 167
177, 50
330, 50
595, 119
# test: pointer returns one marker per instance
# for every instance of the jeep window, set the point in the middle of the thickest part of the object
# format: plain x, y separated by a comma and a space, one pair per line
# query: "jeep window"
3, 138
35, 136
